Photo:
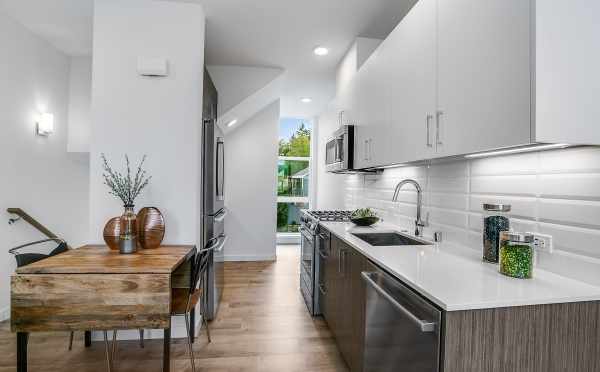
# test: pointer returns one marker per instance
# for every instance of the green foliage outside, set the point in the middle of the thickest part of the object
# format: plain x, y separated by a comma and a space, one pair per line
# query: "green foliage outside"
298, 144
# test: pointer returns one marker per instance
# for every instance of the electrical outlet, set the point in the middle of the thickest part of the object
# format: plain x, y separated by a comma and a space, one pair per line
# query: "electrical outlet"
543, 242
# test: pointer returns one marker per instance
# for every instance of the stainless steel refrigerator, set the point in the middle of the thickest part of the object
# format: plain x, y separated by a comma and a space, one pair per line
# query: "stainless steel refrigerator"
213, 197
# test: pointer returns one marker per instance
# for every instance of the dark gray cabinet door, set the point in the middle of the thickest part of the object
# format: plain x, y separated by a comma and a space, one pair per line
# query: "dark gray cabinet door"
330, 308
345, 302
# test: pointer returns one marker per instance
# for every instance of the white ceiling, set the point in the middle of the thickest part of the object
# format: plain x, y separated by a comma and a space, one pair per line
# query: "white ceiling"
66, 24
270, 33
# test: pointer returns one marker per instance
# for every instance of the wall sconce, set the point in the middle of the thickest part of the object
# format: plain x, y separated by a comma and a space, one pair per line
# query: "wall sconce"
45, 124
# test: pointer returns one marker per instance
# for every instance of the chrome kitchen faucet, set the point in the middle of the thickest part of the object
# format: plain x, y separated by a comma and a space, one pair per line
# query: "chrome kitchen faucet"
419, 224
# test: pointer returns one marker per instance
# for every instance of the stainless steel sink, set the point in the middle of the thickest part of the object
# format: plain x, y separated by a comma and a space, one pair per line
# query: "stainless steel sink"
387, 239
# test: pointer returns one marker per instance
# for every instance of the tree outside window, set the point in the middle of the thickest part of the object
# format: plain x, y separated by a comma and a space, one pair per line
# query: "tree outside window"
293, 173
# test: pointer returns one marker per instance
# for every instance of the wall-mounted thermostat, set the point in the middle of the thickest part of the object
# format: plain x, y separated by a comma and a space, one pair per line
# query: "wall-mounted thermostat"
151, 66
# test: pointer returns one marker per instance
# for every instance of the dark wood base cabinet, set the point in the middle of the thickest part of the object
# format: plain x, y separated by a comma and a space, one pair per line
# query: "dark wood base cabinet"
344, 309
540, 338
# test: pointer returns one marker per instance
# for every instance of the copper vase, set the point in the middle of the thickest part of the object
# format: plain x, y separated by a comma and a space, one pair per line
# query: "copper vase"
128, 231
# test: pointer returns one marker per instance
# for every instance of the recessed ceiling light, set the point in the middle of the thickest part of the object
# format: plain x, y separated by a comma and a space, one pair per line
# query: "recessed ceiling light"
306, 100
232, 123
321, 51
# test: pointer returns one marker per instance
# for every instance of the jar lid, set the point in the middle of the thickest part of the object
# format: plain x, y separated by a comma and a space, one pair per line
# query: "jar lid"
496, 207
516, 237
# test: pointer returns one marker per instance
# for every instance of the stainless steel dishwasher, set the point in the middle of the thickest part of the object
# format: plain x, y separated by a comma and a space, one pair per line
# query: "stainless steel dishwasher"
402, 330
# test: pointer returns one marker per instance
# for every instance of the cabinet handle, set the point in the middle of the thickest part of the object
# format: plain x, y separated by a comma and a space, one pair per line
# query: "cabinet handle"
438, 116
366, 157
342, 268
428, 123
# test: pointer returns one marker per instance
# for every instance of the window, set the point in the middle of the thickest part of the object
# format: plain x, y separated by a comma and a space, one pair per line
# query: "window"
293, 173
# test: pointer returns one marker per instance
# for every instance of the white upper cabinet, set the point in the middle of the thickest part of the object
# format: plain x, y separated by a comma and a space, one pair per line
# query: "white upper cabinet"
567, 72
463, 76
373, 116
484, 78
409, 55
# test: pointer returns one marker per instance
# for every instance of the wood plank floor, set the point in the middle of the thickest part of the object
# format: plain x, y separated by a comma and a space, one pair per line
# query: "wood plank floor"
263, 325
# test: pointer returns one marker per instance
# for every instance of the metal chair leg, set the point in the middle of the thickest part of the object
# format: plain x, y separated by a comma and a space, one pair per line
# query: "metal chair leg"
113, 356
203, 315
107, 350
189, 342
142, 338
71, 341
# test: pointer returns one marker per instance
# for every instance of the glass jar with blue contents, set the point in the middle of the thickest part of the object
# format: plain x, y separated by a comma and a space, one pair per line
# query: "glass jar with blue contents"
495, 220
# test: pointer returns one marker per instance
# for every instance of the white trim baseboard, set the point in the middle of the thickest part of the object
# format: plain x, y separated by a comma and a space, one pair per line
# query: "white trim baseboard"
250, 257
5, 313
288, 238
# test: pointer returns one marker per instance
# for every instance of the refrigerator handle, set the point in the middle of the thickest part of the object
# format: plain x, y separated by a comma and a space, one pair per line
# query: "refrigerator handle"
221, 216
220, 168
223, 240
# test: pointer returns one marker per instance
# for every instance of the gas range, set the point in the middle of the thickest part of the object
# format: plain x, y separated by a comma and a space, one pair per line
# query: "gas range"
332, 216
314, 245
310, 219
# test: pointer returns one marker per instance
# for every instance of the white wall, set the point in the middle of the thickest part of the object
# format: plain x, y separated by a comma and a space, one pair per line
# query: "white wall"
330, 187
38, 175
157, 116
251, 186
80, 102
553, 192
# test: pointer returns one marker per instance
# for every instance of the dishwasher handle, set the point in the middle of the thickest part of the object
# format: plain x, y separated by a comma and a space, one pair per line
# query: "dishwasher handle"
424, 325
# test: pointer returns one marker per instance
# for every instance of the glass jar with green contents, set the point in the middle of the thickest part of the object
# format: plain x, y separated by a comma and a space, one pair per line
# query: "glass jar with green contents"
495, 220
516, 254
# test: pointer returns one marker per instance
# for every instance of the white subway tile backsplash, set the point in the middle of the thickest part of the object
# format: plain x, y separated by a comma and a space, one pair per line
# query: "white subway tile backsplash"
454, 169
449, 201
520, 206
448, 217
576, 240
554, 192
575, 160
574, 186
449, 184
503, 185
505, 165
570, 212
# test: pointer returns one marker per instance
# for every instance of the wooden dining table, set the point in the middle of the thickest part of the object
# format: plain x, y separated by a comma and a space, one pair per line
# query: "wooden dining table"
93, 288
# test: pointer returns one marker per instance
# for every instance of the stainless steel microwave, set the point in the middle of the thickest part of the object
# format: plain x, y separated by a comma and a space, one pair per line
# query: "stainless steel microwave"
339, 153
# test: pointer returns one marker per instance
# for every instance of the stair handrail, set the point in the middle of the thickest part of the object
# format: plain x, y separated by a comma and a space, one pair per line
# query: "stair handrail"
32, 221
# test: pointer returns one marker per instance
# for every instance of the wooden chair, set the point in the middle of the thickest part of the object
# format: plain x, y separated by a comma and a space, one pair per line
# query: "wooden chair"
183, 300
186, 299
29, 258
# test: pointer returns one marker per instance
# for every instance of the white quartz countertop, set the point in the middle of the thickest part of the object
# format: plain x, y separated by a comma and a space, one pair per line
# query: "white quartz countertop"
455, 278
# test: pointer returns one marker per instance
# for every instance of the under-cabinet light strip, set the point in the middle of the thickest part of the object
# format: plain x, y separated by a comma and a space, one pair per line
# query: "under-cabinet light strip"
519, 150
